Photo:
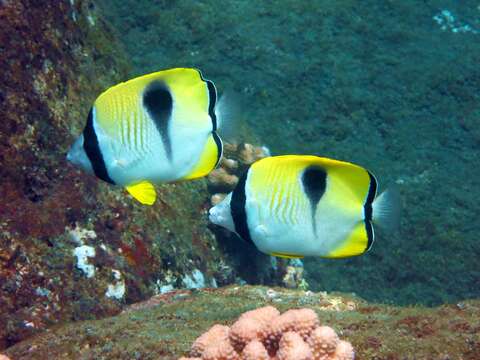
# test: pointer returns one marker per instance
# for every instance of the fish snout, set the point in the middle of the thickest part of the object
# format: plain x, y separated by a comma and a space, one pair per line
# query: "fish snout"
78, 157
213, 215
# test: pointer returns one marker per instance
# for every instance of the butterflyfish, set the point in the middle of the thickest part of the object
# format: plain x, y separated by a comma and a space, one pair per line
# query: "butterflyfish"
294, 206
156, 128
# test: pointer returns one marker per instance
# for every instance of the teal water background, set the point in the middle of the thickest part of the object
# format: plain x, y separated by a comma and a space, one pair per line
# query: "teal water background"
390, 85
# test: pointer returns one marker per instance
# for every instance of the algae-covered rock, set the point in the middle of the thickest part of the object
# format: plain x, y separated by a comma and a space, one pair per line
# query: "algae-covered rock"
71, 246
166, 326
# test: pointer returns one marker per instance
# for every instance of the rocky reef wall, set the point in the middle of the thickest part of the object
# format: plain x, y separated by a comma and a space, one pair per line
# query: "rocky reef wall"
72, 247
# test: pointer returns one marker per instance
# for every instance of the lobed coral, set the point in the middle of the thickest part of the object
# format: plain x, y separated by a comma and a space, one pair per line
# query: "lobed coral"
265, 334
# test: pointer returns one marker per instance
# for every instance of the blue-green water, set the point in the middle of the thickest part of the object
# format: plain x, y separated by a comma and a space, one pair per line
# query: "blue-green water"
392, 86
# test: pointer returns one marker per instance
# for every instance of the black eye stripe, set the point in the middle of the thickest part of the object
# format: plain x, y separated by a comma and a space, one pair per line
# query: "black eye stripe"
237, 206
92, 149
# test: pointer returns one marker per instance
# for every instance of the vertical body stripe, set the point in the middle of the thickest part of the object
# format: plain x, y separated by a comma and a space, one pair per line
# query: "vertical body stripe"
237, 206
92, 148
372, 192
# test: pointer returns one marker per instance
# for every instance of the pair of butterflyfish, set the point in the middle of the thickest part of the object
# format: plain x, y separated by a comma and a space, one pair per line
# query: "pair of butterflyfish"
162, 127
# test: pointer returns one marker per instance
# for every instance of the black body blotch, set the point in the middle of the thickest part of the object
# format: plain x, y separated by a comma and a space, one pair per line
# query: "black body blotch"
237, 207
158, 102
314, 180
92, 149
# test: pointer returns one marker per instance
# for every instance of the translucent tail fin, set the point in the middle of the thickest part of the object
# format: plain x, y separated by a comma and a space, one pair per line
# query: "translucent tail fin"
387, 209
227, 111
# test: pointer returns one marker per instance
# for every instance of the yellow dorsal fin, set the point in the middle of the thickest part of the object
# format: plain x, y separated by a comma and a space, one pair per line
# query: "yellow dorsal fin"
286, 256
143, 192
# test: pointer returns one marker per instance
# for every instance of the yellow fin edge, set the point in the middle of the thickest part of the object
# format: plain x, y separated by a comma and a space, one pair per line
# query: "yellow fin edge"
143, 192
355, 244
207, 160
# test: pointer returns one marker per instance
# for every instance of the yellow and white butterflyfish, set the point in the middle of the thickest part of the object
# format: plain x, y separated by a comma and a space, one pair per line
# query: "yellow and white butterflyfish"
294, 206
152, 129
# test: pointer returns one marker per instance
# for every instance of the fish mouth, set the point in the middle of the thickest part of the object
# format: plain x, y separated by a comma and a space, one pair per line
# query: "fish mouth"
69, 155
213, 215
78, 157
75, 152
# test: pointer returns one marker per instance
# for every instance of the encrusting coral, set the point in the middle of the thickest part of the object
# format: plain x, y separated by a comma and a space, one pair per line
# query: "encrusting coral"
265, 334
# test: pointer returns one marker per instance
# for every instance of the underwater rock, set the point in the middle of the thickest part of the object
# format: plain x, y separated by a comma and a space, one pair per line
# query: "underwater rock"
166, 326
53, 61
72, 247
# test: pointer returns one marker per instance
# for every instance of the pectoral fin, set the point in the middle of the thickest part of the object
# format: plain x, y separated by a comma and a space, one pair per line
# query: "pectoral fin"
143, 192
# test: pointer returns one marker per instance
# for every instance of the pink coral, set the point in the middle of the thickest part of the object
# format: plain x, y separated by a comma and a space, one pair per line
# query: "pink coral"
301, 321
264, 334
264, 314
217, 333
255, 351
252, 325
220, 351
344, 351
323, 341
292, 347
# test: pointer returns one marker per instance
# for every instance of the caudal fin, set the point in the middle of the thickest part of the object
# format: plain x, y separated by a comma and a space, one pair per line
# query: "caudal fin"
387, 209
227, 111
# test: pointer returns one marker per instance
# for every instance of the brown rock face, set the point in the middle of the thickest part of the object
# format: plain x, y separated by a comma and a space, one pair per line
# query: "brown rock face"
56, 57
47, 48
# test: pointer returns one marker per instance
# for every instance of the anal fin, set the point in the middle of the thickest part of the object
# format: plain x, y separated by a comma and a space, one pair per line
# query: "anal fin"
144, 192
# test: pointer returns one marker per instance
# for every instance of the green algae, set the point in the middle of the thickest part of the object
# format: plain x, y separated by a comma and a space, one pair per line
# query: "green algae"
166, 325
